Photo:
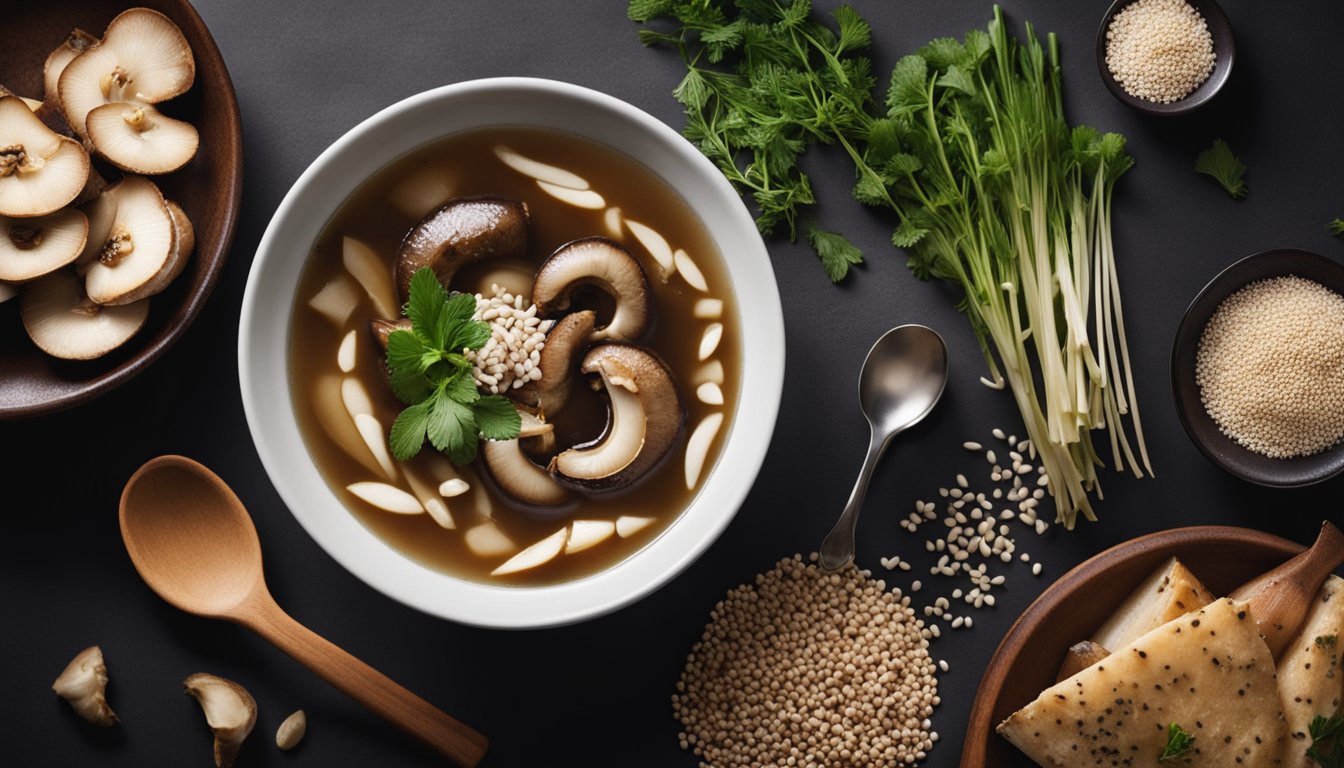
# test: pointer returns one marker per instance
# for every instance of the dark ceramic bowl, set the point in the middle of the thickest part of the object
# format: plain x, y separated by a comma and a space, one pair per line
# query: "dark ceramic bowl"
1203, 431
208, 189
1072, 608
1224, 48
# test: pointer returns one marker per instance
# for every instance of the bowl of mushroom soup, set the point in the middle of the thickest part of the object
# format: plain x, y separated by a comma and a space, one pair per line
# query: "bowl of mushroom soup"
512, 386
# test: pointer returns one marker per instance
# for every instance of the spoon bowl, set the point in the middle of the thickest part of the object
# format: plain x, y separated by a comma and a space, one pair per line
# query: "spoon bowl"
902, 380
194, 544
193, 555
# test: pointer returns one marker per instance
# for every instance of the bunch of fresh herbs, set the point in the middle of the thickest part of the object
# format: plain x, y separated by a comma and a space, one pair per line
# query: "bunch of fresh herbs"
430, 373
764, 82
993, 191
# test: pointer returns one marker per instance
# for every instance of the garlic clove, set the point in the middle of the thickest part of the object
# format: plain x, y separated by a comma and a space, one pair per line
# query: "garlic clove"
83, 683
229, 709
291, 731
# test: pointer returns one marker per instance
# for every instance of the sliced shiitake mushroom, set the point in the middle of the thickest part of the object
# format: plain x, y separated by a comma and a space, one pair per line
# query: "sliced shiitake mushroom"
64, 323
143, 57
40, 170
32, 104
645, 418
30, 248
566, 342
137, 258
460, 232
140, 139
518, 477
102, 213
603, 263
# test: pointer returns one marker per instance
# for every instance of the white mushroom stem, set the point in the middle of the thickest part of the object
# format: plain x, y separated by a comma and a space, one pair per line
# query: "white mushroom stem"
487, 540
426, 491
611, 219
688, 270
388, 498
538, 170
336, 300
708, 309
629, 525
453, 487
372, 273
538, 554
710, 341
656, 245
697, 447
83, 683
711, 371
710, 393
229, 709
345, 354
586, 534
579, 198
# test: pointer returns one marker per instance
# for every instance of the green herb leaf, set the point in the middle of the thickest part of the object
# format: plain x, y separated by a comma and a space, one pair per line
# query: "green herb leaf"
1325, 748
1219, 162
855, 34
497, 418
1179, 742
408, 431
1336, 227
429, 372
836, 252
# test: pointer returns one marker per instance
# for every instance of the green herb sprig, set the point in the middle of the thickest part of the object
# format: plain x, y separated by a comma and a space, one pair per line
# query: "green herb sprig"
1219, 162
1179, 742
1336, 227
431, 375
1325, 748
764, 82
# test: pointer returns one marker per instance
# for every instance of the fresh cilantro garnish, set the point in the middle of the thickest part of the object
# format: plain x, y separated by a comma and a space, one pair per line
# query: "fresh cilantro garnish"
1336, 227
1179, 742
1219, 162
430, 373
1325, 748
836, 252
764, 82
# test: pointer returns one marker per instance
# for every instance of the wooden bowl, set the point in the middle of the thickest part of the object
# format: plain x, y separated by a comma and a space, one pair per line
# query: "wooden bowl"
1224, 49
1199, 425
1072, 608
208, 189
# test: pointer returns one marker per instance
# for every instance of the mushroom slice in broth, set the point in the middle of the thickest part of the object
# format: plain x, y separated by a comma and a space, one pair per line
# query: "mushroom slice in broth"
539, 170
603, 263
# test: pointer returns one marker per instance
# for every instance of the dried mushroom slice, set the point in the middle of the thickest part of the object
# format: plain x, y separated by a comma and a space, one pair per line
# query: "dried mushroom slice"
62, 321
604, 264
140, 139
33, 247
136, 259
40, 170
32, 104
142, 57
77, 42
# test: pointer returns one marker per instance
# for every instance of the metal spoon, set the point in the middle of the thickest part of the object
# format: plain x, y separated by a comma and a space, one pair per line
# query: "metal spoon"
194, 544
902, 379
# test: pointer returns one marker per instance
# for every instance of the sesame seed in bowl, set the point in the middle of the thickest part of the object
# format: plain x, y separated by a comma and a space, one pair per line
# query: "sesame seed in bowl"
1165, 57
1257, 365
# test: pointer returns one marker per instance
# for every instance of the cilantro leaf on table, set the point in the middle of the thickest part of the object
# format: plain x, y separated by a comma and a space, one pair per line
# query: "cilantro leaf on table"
836, 252
429, 371
1179, 742
1336, 227
1219, 162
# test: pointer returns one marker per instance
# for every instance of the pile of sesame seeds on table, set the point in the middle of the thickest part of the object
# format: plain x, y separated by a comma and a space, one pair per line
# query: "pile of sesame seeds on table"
1159, 50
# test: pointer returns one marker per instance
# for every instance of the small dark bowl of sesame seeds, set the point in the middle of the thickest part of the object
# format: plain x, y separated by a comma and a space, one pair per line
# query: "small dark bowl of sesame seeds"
1257, 369
1165, 57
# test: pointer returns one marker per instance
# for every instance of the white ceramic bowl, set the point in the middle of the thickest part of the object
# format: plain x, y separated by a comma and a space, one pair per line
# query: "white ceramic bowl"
263, 356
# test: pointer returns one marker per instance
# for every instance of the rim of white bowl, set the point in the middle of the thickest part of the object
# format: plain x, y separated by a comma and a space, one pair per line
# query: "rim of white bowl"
263, 355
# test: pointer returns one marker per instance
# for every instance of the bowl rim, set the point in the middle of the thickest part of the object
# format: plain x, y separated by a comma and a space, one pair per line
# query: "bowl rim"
227, 210
377, 563
1216, 19
1179, 364
979, 724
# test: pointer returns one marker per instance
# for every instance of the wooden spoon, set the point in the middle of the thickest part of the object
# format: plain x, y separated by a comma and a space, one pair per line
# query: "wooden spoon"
193, 542
1280, 598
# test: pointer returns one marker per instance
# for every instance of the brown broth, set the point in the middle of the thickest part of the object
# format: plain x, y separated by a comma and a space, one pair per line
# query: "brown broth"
465, 165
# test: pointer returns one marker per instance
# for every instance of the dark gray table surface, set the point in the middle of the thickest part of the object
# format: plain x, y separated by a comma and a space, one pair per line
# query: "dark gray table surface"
597, 694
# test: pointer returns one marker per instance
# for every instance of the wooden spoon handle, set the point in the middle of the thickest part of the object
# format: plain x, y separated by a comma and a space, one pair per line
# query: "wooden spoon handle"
367, 685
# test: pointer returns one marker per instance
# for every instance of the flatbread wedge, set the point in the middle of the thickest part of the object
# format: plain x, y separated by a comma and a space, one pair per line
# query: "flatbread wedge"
1170, 592
1208, 671
1310, 680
